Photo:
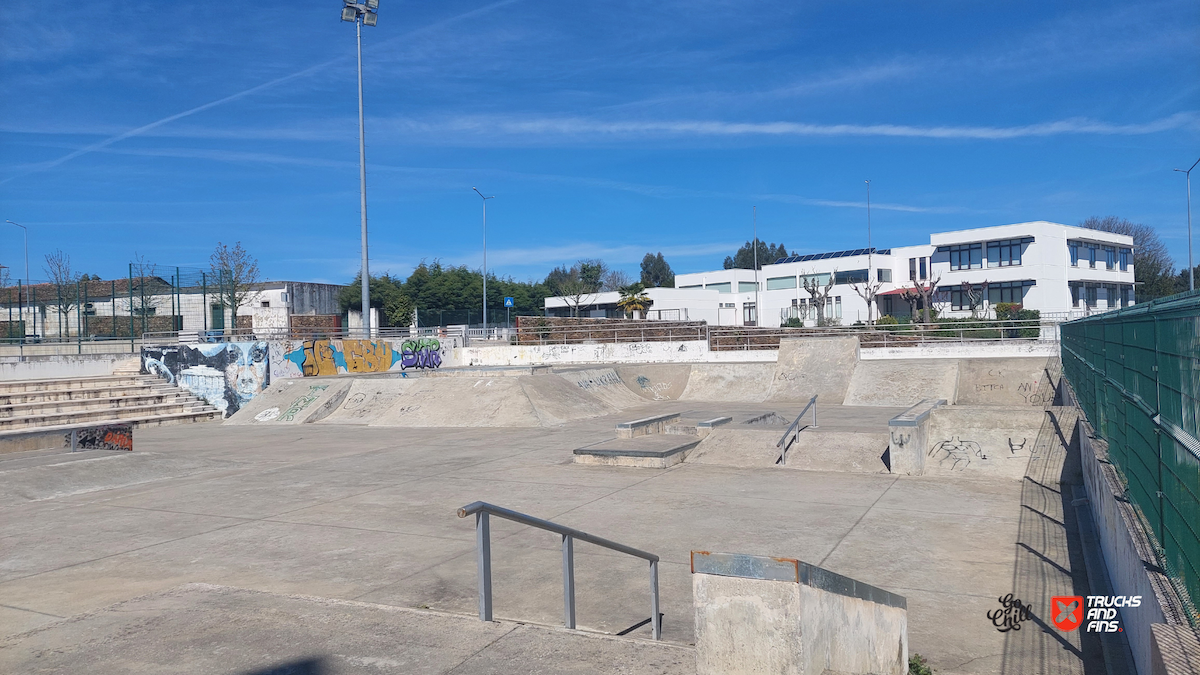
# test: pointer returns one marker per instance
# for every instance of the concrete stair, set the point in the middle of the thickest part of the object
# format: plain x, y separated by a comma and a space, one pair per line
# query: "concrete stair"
121, 398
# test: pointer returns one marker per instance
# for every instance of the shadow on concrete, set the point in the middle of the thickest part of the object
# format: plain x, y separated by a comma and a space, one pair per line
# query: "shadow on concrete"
308, 666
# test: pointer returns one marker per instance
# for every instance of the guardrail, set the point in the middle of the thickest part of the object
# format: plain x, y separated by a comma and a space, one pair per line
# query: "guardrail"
795, 426
483, 546
726, 338
299, 333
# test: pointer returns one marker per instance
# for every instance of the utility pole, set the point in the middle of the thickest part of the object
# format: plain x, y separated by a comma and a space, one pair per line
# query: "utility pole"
1191, 266
485, 335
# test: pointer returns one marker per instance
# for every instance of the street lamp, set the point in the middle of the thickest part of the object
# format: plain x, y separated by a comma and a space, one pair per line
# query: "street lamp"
362, 13
1191, 267
484, 258
26, 249
869, 251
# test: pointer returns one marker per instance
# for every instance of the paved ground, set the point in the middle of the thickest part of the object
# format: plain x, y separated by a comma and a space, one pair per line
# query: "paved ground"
368, 514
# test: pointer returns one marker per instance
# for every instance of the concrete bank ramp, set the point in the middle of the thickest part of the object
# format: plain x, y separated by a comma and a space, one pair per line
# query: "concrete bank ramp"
902, 382
370, 398
294, 401
657, 382
1012, 382
605, 384
808, 366
814, 450
732, 382
459, 402
982, 440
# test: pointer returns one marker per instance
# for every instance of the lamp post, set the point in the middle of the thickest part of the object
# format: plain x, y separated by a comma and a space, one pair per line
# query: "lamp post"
1192, 269
362, 13
757, 309
869, 250
26, 229
485, 335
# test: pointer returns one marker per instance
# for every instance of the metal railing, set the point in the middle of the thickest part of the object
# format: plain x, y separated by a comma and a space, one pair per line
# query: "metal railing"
483, 545
562, 330
301, 333
794, 430
726, 338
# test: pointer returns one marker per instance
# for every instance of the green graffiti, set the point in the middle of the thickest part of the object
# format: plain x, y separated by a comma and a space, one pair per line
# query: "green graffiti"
414, 346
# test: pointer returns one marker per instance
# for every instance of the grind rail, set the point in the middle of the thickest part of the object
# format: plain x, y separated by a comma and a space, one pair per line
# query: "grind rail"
483, 545
794, 430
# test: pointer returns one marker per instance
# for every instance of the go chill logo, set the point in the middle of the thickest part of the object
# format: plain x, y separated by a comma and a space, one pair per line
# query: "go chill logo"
1099, 612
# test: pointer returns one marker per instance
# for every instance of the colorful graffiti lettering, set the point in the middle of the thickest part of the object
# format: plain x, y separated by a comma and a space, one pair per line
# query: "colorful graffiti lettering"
334, 357
421, 353
314, 391
113, 437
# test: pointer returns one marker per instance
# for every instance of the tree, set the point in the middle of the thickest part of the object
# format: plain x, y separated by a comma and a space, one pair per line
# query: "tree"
744, 258
656, 273
974, 295
142, 297
1153, 267
615, 280
578, 283
867, 291
58, 270
388, 296
820, 296
1181, 282
237, 276
5, 279
634, 300
921, 293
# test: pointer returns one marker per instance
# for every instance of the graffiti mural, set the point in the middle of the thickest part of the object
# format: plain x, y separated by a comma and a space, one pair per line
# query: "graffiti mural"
226, 375
421, 353
956, 451
110, 437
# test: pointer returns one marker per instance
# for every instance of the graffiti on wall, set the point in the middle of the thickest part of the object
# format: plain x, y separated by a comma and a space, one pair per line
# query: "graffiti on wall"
226, 375
421, 353
310, 358
110, 437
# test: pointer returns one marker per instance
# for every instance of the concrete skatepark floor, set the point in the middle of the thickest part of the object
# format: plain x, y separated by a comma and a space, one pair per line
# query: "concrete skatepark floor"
367, 514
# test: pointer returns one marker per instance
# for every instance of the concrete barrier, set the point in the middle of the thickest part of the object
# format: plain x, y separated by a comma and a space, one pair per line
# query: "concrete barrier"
909, 438
647, 425
48, 367
756, 614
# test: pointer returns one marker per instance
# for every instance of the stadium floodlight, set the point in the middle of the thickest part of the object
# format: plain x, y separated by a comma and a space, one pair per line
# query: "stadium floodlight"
362, 14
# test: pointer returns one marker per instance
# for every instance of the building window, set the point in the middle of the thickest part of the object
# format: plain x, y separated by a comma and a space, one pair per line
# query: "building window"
777, 283
964, 257
1005, 253
1124, 257
884, 275
821, 280
749, 314
1126, 296
1008, 291
924, 273
89, 309
726, 287
747, 287
1110, 257
1092, 257
850, 277
266, 303
1073, 247
912, 269
696, 286
837, 307
1090, 293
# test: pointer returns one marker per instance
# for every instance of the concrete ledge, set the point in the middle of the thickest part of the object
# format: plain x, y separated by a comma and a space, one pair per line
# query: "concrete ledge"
795, 571
654, 452
916, 414
645, 426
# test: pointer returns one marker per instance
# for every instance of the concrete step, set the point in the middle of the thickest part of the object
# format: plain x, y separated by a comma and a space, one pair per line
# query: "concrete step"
22, 386
98, 416
83, 393
35, 408
184, 417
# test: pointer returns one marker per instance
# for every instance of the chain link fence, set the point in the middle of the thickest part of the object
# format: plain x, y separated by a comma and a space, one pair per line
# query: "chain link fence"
1136, 374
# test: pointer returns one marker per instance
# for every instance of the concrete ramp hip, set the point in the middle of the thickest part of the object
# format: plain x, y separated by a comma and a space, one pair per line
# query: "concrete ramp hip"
808, 366
902, 382
1010, 382
733, 382
294, 402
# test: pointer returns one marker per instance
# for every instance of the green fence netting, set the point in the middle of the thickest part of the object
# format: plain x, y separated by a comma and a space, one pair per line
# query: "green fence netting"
1136, 374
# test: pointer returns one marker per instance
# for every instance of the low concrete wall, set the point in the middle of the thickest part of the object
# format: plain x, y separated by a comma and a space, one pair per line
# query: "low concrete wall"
963, 350
909, 438
756, 614
60, 366
695, 351
1128, 552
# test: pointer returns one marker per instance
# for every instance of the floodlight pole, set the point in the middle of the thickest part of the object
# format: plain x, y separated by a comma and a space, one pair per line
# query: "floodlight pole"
757, 309
362, 181
869, 251
26, 229
1192, 269
485, 335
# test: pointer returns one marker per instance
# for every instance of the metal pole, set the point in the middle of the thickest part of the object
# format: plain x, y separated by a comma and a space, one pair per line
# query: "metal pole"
756, 308
1192, 274
568, 552
26, 230
869, 251
483, 549
484, 258
655, 619
362, 180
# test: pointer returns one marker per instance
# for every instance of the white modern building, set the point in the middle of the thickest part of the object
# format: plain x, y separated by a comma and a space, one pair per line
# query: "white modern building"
1057, 269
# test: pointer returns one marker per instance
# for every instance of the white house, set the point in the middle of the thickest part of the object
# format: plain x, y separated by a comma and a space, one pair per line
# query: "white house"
1057, 269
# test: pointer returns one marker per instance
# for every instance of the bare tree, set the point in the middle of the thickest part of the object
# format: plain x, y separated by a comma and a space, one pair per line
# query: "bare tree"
820, 295
925, 292
5, 279
615, 280
65, 281
867, 291
237, 276
975, 296
142, 295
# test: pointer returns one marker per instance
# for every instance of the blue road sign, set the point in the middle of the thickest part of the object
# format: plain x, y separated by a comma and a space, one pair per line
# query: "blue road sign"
508, 302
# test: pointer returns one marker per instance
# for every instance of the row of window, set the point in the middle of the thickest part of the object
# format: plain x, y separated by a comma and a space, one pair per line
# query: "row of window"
1003, 253
1004, 291
1111, 255
1089, 295
806, 309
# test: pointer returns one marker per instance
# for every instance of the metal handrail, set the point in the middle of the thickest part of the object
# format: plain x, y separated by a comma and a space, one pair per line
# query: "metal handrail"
483, 545
812, 403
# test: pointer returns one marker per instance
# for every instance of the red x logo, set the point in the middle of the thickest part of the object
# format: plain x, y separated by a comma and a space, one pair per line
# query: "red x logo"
1066, 611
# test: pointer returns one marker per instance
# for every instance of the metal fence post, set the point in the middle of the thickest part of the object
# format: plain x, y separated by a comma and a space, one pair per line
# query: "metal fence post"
655, 619
483, 548
568, 552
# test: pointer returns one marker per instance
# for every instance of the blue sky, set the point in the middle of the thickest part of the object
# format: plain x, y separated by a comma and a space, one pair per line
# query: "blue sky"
605, 129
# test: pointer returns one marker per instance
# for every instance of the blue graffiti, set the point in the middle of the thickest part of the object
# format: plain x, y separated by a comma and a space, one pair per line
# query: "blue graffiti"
421, 353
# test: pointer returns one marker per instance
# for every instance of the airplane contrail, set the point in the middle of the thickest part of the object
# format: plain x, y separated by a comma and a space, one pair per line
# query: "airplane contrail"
241, 94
